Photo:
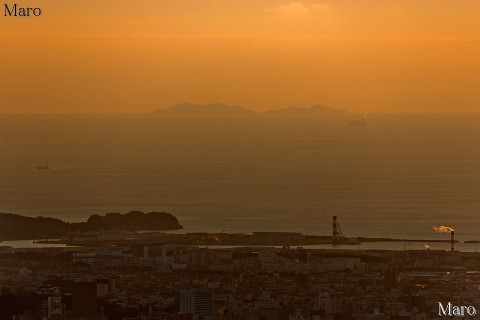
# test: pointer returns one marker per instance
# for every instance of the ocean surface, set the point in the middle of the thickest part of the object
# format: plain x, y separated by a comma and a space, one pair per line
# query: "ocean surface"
396, 177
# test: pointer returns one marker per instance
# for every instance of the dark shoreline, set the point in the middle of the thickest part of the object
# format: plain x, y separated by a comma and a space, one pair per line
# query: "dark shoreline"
278, 239
18, 227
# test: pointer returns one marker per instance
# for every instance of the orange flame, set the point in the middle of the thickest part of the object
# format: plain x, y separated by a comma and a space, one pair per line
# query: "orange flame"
443, 229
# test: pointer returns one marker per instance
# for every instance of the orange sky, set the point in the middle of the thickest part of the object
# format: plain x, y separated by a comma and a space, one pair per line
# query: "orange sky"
137, 56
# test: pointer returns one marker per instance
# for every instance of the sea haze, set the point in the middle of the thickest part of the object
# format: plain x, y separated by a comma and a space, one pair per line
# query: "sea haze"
395, 177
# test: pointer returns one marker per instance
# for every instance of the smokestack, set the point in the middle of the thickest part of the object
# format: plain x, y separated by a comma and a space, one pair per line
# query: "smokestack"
334, 233
452, 240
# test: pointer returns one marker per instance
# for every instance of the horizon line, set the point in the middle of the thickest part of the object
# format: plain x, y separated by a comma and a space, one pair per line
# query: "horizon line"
236, 115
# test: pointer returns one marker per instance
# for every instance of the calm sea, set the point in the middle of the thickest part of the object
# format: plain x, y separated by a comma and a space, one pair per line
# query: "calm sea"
396, 177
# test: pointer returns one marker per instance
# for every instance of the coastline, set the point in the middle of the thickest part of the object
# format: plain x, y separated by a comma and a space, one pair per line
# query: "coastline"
225, 240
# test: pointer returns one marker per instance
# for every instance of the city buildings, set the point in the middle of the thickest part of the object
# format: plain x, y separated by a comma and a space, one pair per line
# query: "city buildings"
180, 282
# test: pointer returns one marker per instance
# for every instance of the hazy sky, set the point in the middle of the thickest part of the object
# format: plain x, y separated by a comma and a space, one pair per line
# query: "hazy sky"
137, 56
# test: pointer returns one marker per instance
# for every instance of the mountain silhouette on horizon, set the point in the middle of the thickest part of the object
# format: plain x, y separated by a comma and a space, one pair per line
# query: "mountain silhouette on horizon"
213, 109
222, 109
313, 110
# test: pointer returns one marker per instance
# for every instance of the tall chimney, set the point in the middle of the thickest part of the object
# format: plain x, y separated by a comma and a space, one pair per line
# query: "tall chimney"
452, 240
335, 229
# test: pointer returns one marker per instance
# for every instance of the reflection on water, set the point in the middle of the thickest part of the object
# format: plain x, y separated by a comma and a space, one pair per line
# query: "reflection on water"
394, 178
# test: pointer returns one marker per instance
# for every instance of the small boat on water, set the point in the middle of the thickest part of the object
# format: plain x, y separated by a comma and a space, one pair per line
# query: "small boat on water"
45, 167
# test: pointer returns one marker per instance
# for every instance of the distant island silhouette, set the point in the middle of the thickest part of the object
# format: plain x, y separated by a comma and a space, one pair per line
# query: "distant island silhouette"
214, 109
18, 227
313, 110
221, 109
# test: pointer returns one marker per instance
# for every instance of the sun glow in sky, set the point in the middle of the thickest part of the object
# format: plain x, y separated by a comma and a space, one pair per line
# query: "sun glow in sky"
137, 56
